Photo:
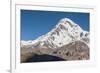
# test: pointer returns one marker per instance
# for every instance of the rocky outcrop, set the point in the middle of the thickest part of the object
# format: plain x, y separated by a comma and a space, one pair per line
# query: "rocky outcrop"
77, 50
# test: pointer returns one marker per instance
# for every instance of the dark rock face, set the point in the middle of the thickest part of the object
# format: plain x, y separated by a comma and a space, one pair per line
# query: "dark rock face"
77, 50
86, 40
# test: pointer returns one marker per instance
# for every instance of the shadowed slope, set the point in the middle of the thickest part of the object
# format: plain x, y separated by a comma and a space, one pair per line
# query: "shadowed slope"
44, 58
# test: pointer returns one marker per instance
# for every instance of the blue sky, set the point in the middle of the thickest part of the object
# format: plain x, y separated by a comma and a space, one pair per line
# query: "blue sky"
36, 23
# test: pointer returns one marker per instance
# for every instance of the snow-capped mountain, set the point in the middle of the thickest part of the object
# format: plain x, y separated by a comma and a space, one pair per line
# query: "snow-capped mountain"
65, 32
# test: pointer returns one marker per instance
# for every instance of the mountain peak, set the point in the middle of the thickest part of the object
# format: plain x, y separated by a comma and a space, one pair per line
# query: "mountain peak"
67, 21
65, 32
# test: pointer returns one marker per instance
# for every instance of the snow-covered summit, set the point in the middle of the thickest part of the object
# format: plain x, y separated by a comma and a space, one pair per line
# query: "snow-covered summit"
65, 32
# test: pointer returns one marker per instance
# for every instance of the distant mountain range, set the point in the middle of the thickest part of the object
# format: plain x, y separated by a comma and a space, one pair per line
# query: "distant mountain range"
66, 37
